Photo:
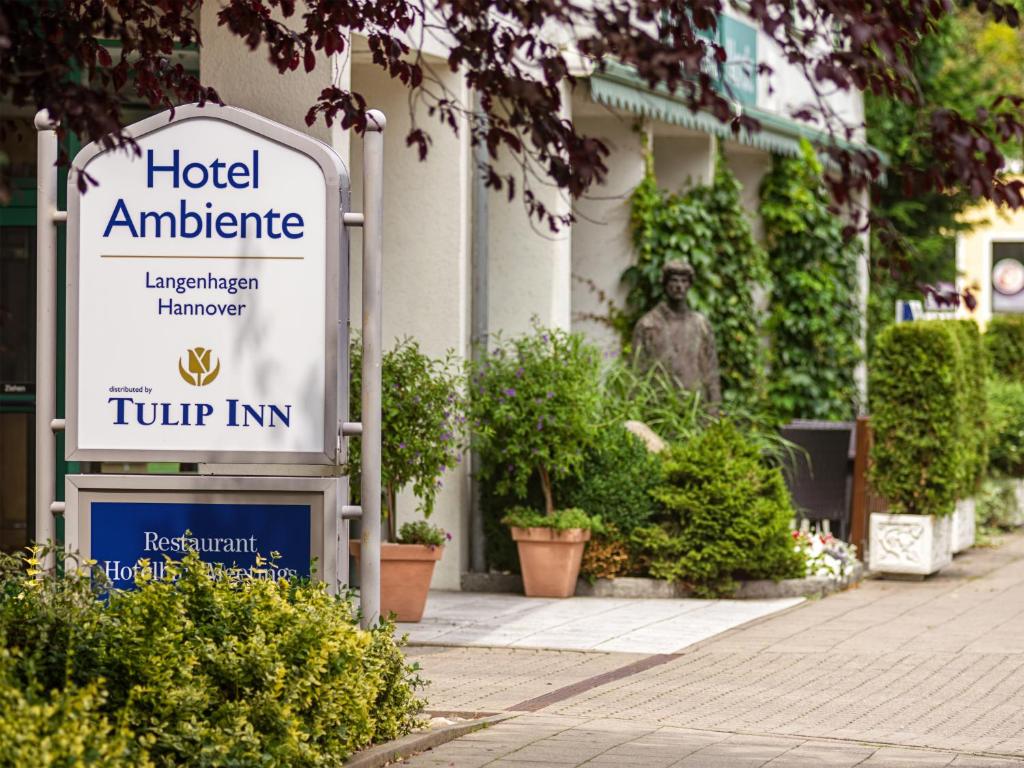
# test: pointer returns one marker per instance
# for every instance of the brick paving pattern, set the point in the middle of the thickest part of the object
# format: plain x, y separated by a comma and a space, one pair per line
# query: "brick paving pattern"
891, 674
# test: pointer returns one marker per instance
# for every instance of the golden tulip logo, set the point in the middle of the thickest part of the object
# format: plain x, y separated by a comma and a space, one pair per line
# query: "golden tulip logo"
199, 372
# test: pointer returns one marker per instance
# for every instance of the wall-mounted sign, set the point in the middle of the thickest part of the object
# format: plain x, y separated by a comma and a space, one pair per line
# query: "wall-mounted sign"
1008, 277
204, 279
739, 72
118, 520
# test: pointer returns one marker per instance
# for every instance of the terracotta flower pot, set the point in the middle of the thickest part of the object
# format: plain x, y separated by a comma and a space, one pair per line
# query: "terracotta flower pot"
550, 559
405, 573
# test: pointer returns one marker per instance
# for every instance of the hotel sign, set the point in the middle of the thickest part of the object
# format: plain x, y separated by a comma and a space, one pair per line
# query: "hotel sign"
205, 273
264, 527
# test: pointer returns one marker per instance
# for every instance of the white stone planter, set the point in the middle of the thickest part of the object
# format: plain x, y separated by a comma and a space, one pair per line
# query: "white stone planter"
963, 525
914, 545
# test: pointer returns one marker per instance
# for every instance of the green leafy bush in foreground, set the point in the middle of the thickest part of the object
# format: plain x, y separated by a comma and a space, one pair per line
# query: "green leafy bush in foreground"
195, 669
727, 516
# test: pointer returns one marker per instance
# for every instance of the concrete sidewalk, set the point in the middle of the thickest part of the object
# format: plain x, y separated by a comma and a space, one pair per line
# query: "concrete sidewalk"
581, 623
890, 674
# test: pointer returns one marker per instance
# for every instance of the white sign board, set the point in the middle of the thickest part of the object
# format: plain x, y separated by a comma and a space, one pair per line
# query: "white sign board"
205, 275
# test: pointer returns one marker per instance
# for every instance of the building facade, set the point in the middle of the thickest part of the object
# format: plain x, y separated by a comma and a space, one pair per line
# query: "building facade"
448, 252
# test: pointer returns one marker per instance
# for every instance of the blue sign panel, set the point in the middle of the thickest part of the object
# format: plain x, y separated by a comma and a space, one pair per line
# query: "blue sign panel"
231, 534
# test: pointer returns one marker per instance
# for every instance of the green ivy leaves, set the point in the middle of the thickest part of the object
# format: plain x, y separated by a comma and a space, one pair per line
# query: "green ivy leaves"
707, 227
815, 319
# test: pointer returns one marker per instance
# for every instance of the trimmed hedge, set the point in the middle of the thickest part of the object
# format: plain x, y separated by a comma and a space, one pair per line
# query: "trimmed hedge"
726, 516
974, 406
616, 482
916, 390
1006, 427
1004, 342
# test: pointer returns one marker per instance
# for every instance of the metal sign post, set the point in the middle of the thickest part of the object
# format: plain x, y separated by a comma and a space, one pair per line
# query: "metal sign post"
373, 245
47, 217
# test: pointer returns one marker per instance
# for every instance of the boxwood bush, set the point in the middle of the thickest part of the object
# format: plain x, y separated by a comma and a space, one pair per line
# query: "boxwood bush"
1006, 427
1004, 342
195, 669
917, 393
727, 516
973, 410
616, 480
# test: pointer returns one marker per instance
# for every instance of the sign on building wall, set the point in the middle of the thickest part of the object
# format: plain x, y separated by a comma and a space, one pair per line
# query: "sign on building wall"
261, 527
205, 272
1008, 277
739, 72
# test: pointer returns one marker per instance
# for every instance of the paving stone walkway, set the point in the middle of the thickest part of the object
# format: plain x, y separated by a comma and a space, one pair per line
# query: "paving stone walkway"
610, 624
889, 674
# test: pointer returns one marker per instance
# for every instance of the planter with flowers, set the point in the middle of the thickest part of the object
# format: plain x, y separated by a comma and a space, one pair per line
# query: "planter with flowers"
423, 436
534, 401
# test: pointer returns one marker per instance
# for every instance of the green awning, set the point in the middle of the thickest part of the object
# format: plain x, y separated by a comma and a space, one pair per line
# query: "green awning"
619, 87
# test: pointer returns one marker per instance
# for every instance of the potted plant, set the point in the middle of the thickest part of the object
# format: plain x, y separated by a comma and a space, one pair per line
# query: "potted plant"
422, 436
535, 405
917, 396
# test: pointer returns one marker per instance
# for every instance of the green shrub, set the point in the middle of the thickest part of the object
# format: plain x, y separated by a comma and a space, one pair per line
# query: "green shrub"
61, 728
996, 505
815, 318
561, 520
1006, 426
616, 480
1004, 342
650, 396
422, 532
973, 410
916, 395
196, 669
727, 516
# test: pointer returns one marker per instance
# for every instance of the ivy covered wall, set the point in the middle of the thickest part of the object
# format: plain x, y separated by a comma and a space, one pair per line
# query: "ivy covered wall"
798, 358
814, 322
707, 227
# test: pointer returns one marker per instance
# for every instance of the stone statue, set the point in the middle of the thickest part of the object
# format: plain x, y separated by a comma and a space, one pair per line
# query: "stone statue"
678, 338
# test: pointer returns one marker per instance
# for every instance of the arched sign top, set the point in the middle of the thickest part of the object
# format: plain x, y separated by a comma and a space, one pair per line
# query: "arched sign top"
335, 172
208, 280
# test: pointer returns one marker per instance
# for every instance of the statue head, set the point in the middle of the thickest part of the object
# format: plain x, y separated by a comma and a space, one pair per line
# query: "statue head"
676, 279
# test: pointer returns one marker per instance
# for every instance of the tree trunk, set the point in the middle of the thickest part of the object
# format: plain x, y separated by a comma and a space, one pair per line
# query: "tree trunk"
392, 514
545, 484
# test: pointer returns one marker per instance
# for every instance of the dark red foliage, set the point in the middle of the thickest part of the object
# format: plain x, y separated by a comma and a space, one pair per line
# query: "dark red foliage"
520, 77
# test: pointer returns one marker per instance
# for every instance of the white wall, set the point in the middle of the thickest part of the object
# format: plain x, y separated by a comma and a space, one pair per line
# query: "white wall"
246, 79
426, 218
682, 159
529, 271
602, 247
426, 267
749, 165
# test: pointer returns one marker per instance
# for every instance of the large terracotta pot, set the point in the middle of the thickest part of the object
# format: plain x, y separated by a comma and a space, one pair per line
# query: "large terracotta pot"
405, 573
550, 559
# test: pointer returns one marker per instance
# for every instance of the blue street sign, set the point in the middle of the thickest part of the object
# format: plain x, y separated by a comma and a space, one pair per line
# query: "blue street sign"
230, 534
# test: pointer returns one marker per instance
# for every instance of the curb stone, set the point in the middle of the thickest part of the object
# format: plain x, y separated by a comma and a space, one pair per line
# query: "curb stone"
644, 588
383, 754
